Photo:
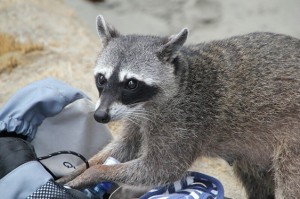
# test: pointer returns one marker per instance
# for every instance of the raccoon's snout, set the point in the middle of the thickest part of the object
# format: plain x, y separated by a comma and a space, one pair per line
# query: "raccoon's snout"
102, 116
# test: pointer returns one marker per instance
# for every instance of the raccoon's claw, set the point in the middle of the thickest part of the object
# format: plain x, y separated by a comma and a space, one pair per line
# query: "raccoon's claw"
68, 178
65, 179
88, 178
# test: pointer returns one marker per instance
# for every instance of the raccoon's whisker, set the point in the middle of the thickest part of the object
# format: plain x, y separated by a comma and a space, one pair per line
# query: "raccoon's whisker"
142, 111
143, 114
135, 104
136, 115
141, 117
118, 114
131, 120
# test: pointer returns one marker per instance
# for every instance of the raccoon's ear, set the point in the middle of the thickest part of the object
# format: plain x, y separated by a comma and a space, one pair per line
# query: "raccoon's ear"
105, 31
169, 50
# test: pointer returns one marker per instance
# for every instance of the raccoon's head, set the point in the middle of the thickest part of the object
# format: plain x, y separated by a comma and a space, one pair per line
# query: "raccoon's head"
133, 71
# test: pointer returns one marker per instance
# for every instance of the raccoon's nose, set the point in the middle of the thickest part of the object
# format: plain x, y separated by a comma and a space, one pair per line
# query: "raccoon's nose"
101, 116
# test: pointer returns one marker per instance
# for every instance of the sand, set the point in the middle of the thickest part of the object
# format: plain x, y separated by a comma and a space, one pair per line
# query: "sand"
206, 19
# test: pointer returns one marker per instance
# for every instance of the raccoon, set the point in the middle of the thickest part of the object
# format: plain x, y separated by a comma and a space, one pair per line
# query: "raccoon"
237, 99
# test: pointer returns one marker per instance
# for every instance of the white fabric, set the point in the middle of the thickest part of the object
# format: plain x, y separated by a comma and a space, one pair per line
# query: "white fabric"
75, 129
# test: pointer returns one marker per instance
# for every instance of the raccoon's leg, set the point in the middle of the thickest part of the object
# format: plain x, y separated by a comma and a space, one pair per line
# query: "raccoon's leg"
258, 184
136, 172
159, 166
123, 149
287, 168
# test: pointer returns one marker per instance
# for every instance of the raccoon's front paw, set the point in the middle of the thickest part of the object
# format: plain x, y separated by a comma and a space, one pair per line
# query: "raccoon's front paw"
71, 176
88, 178
65, 179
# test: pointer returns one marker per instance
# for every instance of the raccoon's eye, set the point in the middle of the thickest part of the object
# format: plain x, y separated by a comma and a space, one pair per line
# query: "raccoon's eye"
132, 84
100, 80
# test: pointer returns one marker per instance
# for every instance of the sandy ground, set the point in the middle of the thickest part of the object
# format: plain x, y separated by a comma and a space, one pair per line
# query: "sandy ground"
206, 19
66, 30
69, 48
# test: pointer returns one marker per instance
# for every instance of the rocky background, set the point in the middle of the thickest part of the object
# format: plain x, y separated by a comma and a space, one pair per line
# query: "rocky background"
40, 38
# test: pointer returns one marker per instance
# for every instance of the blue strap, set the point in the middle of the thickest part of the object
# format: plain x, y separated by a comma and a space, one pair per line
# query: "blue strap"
194, 186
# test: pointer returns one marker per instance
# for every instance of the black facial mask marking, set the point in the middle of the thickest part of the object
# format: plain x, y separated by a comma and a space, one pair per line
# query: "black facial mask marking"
142, 93
100, 83
113, 90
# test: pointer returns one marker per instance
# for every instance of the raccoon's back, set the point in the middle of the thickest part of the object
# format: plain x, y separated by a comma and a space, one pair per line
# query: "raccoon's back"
253, 77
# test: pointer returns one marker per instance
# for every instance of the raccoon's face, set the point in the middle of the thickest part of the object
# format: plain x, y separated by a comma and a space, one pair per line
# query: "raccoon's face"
131, 72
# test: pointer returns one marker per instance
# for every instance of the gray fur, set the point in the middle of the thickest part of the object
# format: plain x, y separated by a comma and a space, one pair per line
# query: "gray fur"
105, 32
237, 98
